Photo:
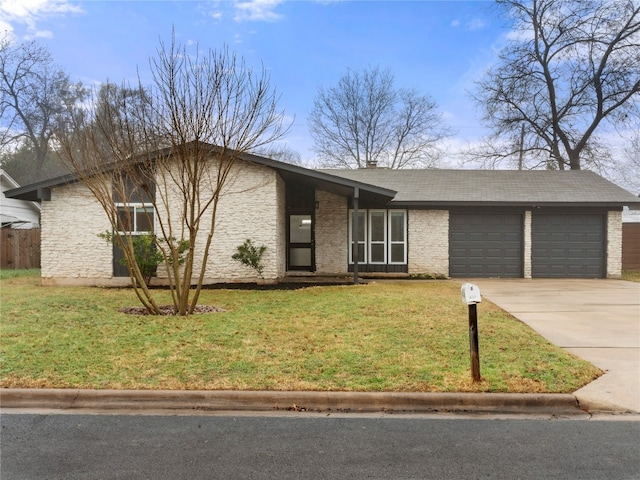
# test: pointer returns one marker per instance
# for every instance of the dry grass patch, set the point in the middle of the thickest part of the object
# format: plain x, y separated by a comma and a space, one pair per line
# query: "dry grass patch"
631, 275
385, 336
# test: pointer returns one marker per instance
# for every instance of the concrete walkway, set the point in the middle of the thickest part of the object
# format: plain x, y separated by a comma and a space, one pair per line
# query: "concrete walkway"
597, 320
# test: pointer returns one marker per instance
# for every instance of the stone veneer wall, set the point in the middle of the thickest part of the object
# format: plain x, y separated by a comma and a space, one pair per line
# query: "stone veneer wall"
331, 234
72, 252
614, 244
428, 237
281, 228
527, 244
251, 207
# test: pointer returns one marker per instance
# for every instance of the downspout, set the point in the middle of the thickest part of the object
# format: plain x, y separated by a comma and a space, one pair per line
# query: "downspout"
356, 235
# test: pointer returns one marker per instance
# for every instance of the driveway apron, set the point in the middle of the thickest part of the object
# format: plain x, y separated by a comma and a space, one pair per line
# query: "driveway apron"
597, 320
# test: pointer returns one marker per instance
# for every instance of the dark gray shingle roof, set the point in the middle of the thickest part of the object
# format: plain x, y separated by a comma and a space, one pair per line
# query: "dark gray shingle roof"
494, 187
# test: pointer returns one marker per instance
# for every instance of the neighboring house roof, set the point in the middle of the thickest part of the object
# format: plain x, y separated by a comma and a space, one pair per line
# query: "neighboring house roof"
494, 187
13, 212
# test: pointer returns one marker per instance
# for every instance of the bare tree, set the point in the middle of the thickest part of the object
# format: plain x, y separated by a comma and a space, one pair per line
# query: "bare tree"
163, 159
35, 99
364, 121
626, 172
282, 153
571, 70
19, 161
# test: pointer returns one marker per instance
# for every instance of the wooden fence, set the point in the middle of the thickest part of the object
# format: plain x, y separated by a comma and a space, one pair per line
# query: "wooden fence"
631, 246
20, 248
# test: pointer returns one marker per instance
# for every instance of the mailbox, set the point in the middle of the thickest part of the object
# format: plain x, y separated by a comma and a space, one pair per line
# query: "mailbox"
470, 294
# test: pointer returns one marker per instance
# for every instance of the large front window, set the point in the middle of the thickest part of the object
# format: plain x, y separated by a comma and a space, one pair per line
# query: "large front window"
382, 237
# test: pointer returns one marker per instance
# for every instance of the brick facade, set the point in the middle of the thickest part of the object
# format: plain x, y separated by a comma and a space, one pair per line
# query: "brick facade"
331, 231
614, 244
252, 206
428, 236
71, 251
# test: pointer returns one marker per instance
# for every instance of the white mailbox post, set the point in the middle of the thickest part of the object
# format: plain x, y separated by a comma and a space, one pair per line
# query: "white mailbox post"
471, 297
470, 294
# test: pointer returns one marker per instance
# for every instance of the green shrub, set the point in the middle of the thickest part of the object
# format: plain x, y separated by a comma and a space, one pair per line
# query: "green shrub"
250, 255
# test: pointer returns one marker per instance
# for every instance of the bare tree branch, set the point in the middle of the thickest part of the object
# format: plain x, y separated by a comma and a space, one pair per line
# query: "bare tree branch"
176, 141
365, 121
571, 70
35, 98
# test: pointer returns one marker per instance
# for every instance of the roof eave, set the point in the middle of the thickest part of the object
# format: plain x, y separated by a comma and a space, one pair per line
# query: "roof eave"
39, 191
36, 191
319, 176
447, 204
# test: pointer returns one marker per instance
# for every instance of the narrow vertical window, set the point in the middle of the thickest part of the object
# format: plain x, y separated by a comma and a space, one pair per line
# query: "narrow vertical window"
397, 236
362, 235
377, 236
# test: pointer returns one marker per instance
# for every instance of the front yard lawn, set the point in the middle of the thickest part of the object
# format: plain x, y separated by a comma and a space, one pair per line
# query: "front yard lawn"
384, 336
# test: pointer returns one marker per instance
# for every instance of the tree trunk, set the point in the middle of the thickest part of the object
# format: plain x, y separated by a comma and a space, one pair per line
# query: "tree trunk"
574, 160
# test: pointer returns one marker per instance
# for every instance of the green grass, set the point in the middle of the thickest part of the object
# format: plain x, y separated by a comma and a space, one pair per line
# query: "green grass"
398, 336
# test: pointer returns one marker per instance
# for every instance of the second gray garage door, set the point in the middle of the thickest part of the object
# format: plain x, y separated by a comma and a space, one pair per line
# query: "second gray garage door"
485, 245
567, 245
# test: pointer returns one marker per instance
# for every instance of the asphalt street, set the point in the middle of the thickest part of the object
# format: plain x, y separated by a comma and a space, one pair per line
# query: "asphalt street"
59, 446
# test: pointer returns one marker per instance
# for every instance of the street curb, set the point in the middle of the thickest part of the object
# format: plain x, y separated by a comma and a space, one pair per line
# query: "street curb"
261, 401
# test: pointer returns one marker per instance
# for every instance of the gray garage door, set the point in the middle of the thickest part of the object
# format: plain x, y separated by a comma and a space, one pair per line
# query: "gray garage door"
485, 245
567, 246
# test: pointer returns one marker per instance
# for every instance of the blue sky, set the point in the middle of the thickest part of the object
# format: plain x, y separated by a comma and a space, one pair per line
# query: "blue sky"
438, 47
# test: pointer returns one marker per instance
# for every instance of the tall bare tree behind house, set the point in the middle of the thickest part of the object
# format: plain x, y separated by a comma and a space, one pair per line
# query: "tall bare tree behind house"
569, 74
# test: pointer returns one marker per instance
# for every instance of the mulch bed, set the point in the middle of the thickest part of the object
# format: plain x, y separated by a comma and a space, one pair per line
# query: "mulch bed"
168, 310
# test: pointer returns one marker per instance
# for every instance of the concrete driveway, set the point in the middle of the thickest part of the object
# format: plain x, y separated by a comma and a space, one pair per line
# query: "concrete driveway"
597, 320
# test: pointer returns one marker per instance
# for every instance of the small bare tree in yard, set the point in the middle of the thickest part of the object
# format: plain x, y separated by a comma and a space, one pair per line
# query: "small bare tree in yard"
158, 158
365, 121
570, 72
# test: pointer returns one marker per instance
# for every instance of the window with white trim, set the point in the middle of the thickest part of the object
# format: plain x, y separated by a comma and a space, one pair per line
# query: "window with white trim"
135, 218
362, 237
382, 237
377, 236
397, 236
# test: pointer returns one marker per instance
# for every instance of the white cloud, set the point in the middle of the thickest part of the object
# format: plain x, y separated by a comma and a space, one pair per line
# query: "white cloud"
5, 26
44, 34
256, 10
472, 24
213, 9
242, 10
475, 24
30, 12
520, 35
